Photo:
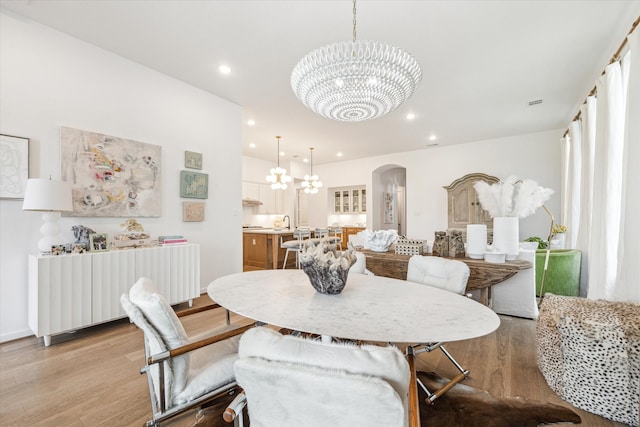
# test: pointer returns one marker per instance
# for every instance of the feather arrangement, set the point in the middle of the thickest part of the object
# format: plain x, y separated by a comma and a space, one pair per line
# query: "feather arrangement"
513, 197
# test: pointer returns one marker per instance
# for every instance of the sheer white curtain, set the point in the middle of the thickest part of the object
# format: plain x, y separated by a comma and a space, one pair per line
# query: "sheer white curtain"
628, 287
604, 151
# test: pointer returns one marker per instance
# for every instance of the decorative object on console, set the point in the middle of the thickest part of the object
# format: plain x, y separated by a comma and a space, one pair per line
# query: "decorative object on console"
379, 241
311, 182
327, 268
134, 236
440, 244
476, 240
406, 246
111, 176
278, 176
507, 202
456, 245
354, 80
82, 233
99, 242
14, 152
50, 197
192, 160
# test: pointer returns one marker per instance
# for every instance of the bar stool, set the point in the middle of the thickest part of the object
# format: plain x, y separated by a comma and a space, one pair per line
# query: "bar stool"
336, 233
294, 245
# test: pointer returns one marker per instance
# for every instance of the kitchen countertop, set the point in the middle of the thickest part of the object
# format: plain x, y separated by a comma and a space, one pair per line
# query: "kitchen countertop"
267, 230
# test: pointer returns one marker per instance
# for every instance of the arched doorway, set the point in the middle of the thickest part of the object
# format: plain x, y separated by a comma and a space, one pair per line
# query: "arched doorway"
388, 198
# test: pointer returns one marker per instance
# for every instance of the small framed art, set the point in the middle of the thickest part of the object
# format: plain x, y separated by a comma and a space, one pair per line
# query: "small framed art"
99, 242
194, 185
193, 211
192, 160
14, 173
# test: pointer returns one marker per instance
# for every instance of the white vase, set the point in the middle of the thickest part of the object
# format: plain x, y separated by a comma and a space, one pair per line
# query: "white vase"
558, 241
506, 236
476, 240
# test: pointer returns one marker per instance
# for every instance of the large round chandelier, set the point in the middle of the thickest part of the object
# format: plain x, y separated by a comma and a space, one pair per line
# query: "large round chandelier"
355, 80
311, 182
278, 176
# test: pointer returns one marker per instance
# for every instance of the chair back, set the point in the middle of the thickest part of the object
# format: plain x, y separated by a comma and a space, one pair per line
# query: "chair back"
450, 275
291, 381
301, 233
321, 232
163, 331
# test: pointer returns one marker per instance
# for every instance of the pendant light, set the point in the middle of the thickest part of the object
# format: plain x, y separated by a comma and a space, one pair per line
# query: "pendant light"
278, 176
355, 80
311, 182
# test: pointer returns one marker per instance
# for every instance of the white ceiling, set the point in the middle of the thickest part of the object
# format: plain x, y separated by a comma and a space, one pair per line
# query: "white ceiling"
482, 61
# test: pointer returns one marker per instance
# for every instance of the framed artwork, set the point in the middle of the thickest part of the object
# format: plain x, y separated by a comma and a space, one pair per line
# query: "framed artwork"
14, 166
192, 160
111, 176
194, 185
99, 242
388, 208
193, 211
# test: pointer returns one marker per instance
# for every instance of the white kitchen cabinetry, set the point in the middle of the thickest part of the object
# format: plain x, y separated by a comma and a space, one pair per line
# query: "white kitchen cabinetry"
69, 292
272, 200
349, 200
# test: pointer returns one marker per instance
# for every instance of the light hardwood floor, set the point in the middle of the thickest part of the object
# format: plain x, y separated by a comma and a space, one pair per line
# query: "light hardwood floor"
91, 377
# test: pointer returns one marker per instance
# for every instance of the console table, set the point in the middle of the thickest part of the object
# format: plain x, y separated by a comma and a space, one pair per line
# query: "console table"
68, 292
482, 275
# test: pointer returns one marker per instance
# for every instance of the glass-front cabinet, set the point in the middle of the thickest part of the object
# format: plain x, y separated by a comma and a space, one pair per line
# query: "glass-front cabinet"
349, 200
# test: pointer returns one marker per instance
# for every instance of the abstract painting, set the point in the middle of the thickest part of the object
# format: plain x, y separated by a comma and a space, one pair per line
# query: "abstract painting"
193, 211
192, 160
111, 176
388, 208
14, 166
194, 185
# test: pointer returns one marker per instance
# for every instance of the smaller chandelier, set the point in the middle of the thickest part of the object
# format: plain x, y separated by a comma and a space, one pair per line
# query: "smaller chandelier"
357, 80
278, 176
311, 182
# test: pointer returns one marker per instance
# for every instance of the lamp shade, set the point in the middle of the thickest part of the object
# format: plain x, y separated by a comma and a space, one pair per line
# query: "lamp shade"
47, 195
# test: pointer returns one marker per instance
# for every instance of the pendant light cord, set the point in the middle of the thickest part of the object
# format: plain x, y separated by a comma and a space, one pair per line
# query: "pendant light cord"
354, 21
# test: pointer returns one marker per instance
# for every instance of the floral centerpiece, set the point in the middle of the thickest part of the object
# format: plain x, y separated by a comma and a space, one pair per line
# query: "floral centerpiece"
326, 267
507, 202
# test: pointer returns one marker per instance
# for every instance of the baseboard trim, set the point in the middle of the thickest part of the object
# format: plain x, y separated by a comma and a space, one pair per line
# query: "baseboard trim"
15, 335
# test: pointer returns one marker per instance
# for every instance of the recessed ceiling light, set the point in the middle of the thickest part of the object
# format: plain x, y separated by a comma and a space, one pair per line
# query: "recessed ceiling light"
339, 154
224, 69
432, 137
251, 122
252, 145
411, 116
282, 153
305, 160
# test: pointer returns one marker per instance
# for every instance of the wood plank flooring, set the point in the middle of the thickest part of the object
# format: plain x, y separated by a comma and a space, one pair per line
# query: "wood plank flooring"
91, 377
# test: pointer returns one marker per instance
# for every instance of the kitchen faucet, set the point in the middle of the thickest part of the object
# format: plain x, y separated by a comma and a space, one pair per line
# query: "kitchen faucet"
288, 221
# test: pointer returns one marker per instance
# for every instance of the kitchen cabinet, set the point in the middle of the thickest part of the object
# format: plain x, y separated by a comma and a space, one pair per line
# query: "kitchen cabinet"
261, 249
271, 201
349, 231
463, 205
349, 200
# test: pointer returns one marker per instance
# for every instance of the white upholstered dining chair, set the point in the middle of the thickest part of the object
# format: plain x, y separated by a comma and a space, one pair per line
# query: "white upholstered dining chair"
182, 372
291, 382
449, 275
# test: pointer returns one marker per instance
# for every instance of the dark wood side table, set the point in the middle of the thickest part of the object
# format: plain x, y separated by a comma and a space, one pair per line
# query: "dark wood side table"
482, 275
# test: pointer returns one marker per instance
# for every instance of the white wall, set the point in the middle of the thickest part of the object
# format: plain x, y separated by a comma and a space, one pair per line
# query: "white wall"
533, 156
48, 80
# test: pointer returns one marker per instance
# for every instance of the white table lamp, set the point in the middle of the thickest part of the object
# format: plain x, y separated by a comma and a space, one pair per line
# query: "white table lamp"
50, 197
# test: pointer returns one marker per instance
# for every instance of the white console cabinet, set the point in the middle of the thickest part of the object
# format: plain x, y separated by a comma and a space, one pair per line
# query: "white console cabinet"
69, 292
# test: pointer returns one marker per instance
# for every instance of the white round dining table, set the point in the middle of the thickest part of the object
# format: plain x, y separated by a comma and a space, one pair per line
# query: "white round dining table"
370, 308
